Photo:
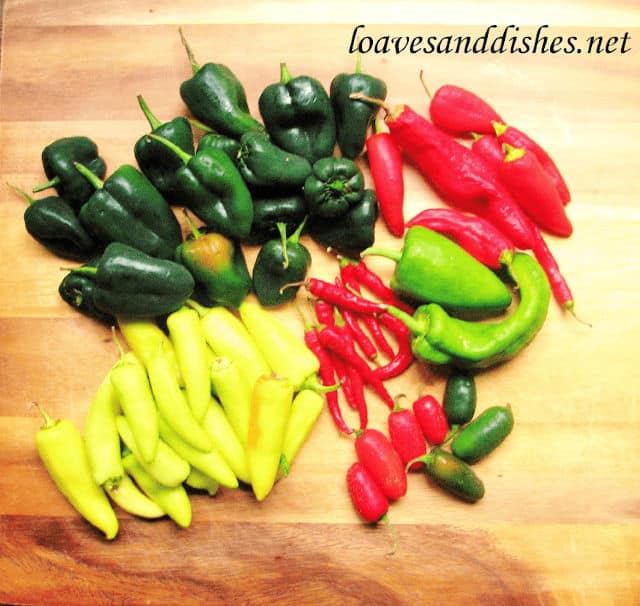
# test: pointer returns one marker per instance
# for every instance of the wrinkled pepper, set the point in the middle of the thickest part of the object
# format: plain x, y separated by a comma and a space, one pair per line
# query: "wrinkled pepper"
298, 115
127, 208
269, 210
58, 159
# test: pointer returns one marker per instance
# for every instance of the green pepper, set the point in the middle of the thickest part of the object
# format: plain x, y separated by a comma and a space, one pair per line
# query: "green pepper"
298, 116
229, 146
353, 116
58, 159
431, 268
264, 164
352, 232
127, 208
214, 190
334, 186
216, 97
129, 282
216, 263
280, 262
54, 223
158, 163
269, 210
484, 434
460, 397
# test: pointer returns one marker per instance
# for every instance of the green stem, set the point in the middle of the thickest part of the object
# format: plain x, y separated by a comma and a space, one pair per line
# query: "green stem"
313, 385
96, 181
379, 126
23, 193
499, 128
48, 185
84, 270
176, 149
285, 76
282, 230
195, 232
153, 121
295, 236
385, 520
513, 153
201, 309
194, 64
358, 63
284, 466
200, 125
417, 327
426, 459
382, 252
49, 422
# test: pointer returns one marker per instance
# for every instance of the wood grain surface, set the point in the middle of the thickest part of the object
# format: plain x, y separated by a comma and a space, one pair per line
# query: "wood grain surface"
560, 522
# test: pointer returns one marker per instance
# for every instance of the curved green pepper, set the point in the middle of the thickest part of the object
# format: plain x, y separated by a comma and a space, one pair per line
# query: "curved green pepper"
432, 268
290, 209
58, 159
298, 116
353, 116
229, 146
77, 289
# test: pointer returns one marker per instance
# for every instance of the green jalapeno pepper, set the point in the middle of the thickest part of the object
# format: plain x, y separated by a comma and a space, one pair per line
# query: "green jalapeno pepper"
484, 434
460, 397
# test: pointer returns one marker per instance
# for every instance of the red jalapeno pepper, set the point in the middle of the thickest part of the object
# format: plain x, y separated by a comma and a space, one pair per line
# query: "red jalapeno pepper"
367, 497
489, 148
432, 419
406, 436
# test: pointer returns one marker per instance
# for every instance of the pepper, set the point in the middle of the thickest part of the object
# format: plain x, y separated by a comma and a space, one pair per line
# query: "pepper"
54, 223
216, 97
214, 189
218, 264
353, 231
432, 268
132, 500
406, 435
460, 398
431, 418
298, 115
199, 481
280, 262
269, 210
484, 434
354, 116
270, 411
127, 208
305, 410
229, 146
131, 283
63, 452
58, 159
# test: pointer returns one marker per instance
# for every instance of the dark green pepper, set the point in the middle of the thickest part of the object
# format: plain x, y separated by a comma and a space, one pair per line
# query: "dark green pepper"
229, 146
158, 163
265, 165
352, 232
54, 223
298, 116
77, 289
216, 97
268, 211
460, 397
131, 283
280, 262
432, 268
484, 434
127, 208
58, 160
334, 186
214, 190
217, 264
353, 116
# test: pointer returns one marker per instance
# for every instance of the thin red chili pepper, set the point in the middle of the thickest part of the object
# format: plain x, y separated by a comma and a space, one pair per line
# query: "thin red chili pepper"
343, 376
373, 326
375, 284
474, 234
404, 356
324, 313
359, 400
386, 166
342, 297
357, 333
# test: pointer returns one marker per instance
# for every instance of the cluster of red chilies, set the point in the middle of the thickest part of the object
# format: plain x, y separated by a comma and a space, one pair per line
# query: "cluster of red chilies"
351, 333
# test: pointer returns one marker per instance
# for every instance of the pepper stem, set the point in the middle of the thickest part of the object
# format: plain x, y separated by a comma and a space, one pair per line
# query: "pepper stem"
378, 126
424, 85
49, 421
394, 535
176, 149
23, 193
195, 232
499, 128
282, 230
295, 236
358, 63
194, 64
380, 102
48, 185
153, 121
395, 255
285, 75
200, 309
416, 327
84, 270
203, 127
284, 466
426, 459
513, 153
96, 181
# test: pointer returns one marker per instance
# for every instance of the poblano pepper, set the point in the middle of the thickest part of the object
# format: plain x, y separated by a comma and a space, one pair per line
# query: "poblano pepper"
58, 160
431, 268
214, 190
229, 146
217, 264
353, 116
127, 208
298, 116
216, 97
289, 209
54, 223
77, 289
279, 262
130, 283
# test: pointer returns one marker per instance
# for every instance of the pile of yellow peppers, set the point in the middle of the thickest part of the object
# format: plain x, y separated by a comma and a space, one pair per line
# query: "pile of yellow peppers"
211, 399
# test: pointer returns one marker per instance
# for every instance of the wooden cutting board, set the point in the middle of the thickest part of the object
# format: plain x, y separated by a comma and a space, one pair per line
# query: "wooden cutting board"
560, 522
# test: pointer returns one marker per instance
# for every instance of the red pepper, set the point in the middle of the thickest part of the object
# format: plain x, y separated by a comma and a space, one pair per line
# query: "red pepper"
382, 461
532, 188
324, 313
342, 297
340, 371
385, 163
403, 356
356, 393
517, 138
367, 497
406, 436
432, 419
489, 148
357, 333
476, 235
374, 283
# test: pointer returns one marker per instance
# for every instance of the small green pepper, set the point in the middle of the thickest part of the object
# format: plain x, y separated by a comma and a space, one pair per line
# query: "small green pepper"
298, 116
280, 262
484, 434
460, 397
127, 208
58, 159
269, 210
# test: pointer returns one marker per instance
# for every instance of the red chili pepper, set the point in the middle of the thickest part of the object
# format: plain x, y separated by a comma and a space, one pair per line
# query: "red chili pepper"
533, 189
404, 356
357, 333
375, 284
373, 325
367, 497
382, 461
342, 297
489, 148
385, 163
406, 436
432, 419
358, 398
324, 313
476, 235
340, 370
517, 138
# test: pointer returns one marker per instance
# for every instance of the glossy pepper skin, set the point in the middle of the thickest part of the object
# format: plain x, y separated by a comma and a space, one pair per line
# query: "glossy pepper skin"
229, 146
354, 116
217, 264
127, 208
54, 223
214, 190
298, 115
58, 159
281, 261
130, 283
270, 210
77, 289
217, 98
352, 232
